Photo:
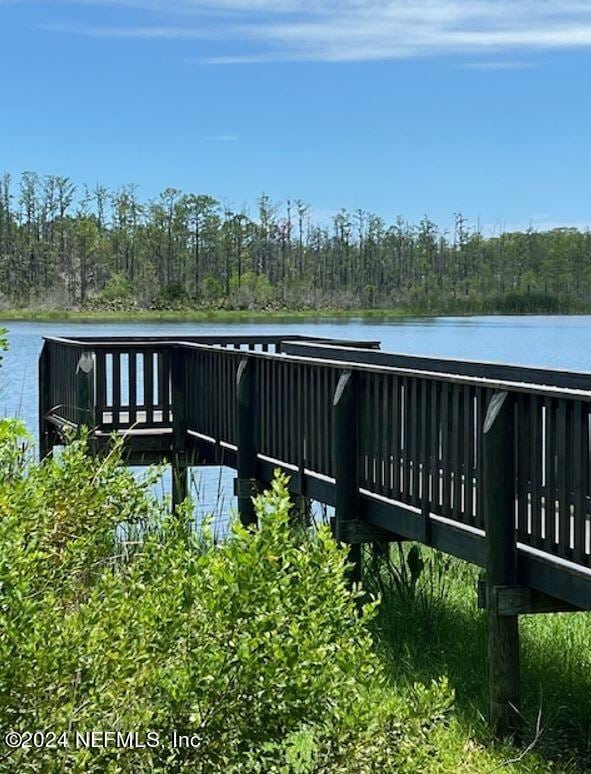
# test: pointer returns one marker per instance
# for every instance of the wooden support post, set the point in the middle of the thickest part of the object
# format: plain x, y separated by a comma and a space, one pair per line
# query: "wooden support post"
501, 568
301, 512
180, 478
85, 392
45, 432
246, 438
344, 416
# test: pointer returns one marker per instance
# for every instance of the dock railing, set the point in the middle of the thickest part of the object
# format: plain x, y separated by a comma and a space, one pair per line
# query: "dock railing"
487, 462
130, 378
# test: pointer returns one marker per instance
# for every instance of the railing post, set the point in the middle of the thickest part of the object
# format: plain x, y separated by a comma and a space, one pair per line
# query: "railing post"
85, 403
301, 511
501, 568
344, 416
45, 434
246, 484
180, 483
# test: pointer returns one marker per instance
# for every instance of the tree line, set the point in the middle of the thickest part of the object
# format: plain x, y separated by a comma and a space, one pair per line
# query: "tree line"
92, 248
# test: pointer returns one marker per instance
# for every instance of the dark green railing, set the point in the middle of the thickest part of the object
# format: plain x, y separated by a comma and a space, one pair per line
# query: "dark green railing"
488, 462
419, 422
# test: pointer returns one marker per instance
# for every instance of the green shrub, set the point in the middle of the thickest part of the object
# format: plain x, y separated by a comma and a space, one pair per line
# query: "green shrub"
116, 296
116, 289
115, 616
530, 303
254, 291
212, 290
174, 296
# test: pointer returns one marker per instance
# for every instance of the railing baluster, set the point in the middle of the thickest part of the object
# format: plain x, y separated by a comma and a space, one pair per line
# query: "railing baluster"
454, 452
414, 431
563, 499
549, 470
522, 451
579, 485
434, 450
424, 445
536, 470
386, 434
395, 444
405, 403
479, 421
468, 444
377, 431
164, 384
116, 355
101, 385
316, 397
366, 430
445, 450
132, 377
149, 387
300, 418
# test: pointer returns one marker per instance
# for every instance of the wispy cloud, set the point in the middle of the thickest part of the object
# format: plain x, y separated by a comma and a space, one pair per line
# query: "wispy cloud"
357, 30
152, 32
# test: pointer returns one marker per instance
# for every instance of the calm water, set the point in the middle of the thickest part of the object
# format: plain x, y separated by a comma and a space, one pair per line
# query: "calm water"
553, 342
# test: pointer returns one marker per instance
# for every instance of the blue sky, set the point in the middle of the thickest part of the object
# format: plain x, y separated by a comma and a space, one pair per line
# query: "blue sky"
434, 106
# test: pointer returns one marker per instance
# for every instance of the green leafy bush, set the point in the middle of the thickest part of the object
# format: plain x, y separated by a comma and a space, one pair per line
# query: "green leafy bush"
174, 296
117, 288
116, 296
253, 291
116, 616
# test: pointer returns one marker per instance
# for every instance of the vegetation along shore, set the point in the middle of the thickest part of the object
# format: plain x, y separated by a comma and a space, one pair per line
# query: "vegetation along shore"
236, 315
70, 248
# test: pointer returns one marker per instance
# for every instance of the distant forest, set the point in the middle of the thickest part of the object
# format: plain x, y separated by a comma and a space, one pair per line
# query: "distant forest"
95, 249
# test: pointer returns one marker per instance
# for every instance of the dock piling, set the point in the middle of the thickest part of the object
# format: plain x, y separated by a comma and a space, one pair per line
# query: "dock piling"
501, 566
246, 436
180, 482
345, 465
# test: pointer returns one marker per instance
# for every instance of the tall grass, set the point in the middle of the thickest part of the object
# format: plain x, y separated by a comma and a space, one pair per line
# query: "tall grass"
434, 628
457, 308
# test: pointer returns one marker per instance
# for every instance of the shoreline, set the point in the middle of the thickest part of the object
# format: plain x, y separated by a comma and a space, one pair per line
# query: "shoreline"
223, 315
201, 315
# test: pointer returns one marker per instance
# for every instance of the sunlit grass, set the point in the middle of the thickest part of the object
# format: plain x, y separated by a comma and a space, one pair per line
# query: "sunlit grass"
439, 631
199, 315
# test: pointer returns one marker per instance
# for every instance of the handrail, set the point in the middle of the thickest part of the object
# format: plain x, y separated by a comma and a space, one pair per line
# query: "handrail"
555, 377
146, 341
336, 362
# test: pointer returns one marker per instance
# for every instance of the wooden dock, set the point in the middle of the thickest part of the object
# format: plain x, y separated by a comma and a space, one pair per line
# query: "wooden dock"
487, 462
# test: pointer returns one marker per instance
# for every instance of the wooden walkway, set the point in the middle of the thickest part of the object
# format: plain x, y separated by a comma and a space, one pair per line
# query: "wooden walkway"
487, 462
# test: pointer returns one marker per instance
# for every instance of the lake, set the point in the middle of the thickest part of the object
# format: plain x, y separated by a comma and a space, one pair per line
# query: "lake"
553, 342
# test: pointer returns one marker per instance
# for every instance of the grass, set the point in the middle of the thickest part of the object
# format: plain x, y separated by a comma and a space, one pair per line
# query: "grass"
199, 315
437, 630
244, 315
